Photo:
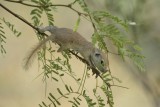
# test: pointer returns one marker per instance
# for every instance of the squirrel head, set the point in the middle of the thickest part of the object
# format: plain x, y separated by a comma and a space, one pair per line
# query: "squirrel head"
99, 60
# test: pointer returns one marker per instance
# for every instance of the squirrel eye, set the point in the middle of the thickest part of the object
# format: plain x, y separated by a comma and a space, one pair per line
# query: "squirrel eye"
97, 54
102, 62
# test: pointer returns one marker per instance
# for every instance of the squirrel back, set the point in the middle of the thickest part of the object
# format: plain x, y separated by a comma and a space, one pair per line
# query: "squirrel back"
68, 39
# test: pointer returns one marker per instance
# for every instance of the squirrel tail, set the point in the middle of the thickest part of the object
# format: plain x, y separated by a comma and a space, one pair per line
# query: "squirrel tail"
31, 55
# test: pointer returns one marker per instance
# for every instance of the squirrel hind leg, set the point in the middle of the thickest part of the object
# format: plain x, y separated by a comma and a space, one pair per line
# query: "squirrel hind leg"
62, 48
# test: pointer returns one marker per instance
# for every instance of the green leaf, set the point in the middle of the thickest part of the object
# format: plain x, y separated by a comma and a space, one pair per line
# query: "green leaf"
78, 79
49, 16
137, 60
105, 75
48, 9
36, 15
108, 94
136, 47
67, 88
55, 79
71, 89
74, 104
42, 1
40, 105
2, 36
79, 99
11, 27
55, 99
35, 1
83, 6
2, 49
37, 12
122, 52
59, 91
103, 14
2, 31
94, 38
55, 72
52, 101
100, 101
44, 104
19, 34
77, 24
89, 100
61, 75
76, 100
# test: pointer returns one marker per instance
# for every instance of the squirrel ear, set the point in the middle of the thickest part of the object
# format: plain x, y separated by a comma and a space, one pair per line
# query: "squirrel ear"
96, 52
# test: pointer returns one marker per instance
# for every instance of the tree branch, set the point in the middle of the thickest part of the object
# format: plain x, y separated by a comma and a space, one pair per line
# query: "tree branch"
17, 16
46, 6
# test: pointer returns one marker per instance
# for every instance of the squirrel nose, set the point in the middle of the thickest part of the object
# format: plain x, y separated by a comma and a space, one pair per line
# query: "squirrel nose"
106, 69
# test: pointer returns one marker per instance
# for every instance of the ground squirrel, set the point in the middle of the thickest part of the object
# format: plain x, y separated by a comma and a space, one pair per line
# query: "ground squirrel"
68, 39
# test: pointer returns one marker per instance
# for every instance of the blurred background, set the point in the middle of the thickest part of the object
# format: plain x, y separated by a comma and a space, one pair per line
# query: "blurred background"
18, 87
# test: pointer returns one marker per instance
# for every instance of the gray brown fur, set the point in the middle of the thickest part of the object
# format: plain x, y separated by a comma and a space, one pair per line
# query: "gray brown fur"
68, 39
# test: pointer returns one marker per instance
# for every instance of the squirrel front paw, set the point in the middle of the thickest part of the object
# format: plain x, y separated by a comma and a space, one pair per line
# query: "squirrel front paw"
40, 29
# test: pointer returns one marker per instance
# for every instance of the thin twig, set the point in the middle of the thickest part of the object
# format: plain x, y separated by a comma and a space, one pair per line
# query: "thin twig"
17, 16
119, 86
46, 6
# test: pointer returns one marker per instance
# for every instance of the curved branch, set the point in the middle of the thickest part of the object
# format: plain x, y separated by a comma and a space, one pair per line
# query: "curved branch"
56, 5
17, 16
